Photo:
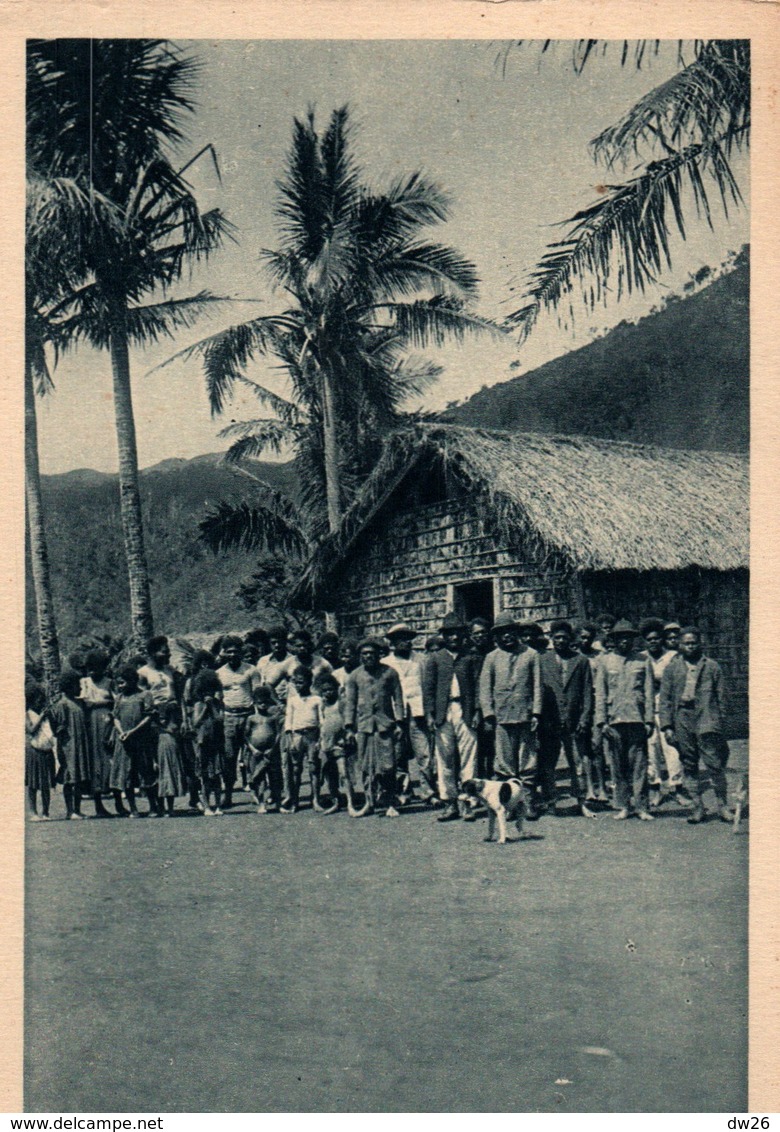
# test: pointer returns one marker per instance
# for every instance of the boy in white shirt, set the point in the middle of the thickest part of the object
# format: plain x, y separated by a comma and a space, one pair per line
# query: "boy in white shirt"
302, 724
413, 739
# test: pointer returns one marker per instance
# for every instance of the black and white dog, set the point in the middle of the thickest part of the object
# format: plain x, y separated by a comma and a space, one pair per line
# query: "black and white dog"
504, 801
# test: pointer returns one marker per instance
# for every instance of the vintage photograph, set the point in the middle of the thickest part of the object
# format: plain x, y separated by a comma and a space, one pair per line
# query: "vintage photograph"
387, 423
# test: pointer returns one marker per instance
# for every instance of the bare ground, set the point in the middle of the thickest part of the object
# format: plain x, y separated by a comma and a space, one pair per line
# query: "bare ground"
306, 963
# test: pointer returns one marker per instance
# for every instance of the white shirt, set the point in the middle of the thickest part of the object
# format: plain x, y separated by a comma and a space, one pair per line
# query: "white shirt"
410, 674
302, 711
238, 685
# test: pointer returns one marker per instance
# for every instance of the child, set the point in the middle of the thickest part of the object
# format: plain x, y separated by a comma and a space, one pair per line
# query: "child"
302, 724
333, 766
97, 698
262, 747
132, 767
170, 775
70, 730
208, 736
38, 752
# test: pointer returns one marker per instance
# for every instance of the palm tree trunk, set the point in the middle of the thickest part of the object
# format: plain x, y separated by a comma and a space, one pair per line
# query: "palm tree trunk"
39, 555
330, 453
142, 625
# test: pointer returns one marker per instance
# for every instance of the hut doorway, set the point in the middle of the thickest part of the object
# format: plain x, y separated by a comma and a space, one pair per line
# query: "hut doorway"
474, 599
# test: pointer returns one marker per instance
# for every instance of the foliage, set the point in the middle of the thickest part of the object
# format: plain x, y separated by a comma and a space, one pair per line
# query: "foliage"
366, 289
683, 135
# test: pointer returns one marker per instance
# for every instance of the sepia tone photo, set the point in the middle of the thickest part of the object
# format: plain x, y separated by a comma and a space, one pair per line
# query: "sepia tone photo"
387, 422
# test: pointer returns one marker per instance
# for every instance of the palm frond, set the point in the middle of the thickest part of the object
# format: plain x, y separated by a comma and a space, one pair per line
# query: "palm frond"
254, 438
412, 267
626, 232
431, 322
156, 320
710, 98
226, 354
271, 523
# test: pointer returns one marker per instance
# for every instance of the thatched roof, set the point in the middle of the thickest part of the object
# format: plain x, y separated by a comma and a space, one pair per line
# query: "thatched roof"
600, 504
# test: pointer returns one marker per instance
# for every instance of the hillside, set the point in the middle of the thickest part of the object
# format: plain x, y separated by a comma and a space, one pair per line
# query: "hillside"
677, 378
192, 590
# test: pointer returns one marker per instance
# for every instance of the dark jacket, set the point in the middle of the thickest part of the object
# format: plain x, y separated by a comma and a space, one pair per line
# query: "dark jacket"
510, 686
566, 703
437, 681
372, 703
709, 702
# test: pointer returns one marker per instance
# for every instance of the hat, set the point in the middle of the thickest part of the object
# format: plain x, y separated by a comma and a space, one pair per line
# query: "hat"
400, 630
452, 621
623, 628
505, 620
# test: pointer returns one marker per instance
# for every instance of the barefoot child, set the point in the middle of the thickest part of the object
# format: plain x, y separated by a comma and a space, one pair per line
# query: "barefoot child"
302, 723
333, 766
38, 752
209, 737
132, 767
70, 730
262, 747
170, 774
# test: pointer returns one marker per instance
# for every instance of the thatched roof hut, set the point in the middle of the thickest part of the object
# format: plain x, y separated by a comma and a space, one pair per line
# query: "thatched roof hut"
547, 526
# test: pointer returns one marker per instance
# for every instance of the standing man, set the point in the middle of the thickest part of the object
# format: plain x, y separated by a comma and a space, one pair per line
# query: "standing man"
271, 666
661, 756
450, 699
567, 714
413, 738
239, 681
481, 644
373, 708
624, 717
691, 713
510, 693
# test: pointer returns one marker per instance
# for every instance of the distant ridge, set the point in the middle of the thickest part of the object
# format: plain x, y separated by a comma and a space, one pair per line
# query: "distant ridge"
677, 378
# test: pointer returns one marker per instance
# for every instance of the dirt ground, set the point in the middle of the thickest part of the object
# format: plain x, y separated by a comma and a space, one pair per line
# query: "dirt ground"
306, 963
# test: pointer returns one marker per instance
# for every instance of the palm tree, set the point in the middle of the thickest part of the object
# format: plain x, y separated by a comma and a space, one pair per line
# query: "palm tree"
57, 214
366, 289
105, 112
683, 135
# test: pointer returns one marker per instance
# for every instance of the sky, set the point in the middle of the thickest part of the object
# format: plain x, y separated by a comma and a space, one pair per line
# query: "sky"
510, 145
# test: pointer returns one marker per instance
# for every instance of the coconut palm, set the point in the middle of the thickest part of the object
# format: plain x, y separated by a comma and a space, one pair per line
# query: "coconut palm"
683, 136
105, 113
367, 288
58, 213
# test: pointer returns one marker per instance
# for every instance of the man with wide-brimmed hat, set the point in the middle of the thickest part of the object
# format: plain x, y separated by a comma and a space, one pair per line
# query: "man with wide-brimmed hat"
413, 740
625, 714
452, 712
510, 692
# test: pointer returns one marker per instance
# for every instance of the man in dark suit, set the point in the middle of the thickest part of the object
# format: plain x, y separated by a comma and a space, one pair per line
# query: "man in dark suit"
691, 713
452, 712
373, 710
510, 692
567, 714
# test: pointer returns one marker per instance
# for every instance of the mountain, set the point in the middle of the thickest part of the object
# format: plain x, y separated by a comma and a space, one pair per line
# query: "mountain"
679, 378
192, 589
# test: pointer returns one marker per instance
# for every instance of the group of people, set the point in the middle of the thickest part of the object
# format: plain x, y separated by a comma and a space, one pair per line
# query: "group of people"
636, 714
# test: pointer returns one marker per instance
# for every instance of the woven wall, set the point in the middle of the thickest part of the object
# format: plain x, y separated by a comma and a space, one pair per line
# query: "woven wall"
407, 570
